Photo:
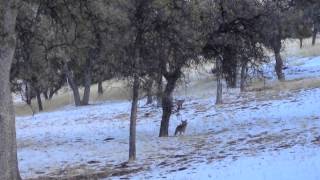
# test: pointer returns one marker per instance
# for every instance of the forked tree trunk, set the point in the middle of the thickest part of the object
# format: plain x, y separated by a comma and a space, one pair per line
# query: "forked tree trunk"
167, 106
100, 88
159, 90
86, 93
244, 73
39, 100
133, 118
279, 64
74, 87
8, 146
219, 83
54, 90
51, 93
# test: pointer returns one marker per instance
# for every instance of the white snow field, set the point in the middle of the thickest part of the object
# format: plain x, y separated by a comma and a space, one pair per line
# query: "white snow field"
268, 135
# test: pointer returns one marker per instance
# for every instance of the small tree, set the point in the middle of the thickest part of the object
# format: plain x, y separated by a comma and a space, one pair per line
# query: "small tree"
275, 27
178, 46
232, 38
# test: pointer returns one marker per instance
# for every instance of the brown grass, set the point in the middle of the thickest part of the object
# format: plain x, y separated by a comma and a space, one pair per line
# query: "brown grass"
286, 85
292, 48
113, 90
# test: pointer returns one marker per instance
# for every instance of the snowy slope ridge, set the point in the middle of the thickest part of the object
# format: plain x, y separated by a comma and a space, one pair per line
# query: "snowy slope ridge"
269, 136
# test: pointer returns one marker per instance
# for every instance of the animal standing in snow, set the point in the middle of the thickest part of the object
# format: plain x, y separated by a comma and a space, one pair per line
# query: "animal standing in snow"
181, 128
179, 104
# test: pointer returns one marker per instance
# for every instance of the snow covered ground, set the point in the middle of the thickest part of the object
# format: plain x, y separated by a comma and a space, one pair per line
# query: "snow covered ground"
252, 135
295, 164
307, 67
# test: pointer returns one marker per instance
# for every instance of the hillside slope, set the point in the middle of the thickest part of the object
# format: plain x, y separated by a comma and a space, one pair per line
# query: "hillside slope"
270, 134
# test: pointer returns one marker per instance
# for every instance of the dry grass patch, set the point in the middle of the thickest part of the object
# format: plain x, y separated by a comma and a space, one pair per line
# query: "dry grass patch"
288, 85
113, 90
292, 48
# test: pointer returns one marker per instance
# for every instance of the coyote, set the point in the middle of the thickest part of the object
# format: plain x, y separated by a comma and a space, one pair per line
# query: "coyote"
179, 104
181, 128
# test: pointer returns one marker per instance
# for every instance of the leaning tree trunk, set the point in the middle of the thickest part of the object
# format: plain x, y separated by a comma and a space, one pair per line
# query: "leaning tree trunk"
279, 64
39, 100
244, 72
8, 146
74, 87
133, 119
314, 34
219, 82
87, 84
167, 105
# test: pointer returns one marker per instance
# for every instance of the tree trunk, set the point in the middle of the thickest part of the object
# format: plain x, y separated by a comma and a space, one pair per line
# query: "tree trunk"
159, 90
54, 90
87, 83
8, 146
219, 83
39, 100
51, 93
314, 34
167, 105
301, 42
45, 95
100, 88
149, 97
149, 90
73, 85
133, 119
28, 94
244, 71
279, 64
231, 78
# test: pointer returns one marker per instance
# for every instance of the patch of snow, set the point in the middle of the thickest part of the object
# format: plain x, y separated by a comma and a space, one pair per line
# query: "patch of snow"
296, 68
295, 164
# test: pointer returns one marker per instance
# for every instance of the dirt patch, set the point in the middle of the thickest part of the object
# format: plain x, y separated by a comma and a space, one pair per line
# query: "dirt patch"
123, 116
82, 173
200, 108
125, 171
